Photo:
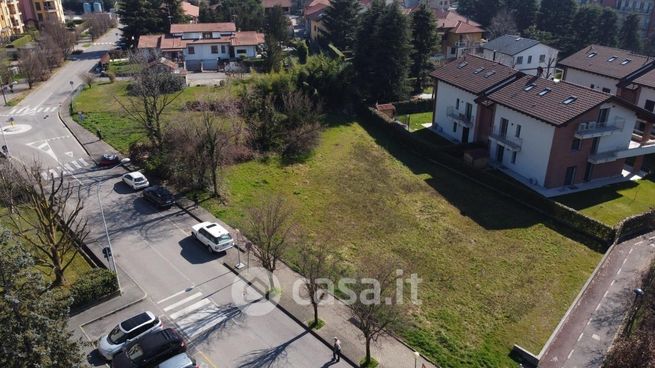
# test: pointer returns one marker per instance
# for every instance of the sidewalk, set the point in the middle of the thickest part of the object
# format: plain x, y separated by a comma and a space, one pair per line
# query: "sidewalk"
588, 329
388, 351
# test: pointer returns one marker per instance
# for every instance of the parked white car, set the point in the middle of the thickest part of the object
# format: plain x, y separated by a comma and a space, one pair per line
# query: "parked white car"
135, 180
127, 331
213, 236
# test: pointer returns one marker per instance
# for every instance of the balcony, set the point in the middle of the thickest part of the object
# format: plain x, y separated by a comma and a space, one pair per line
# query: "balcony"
634, 149
509, 142
461, 119
595, 129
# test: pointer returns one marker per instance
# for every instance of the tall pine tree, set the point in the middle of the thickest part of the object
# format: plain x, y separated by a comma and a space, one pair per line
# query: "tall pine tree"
584, 29
248, 15
630, 33
481, 11
141, 17
276, 24
608, 27
555, 16
424, 40
366, 47
525, 13
341, 22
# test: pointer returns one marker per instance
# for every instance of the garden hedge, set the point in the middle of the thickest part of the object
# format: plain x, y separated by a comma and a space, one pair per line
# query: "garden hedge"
413, 106
93, 286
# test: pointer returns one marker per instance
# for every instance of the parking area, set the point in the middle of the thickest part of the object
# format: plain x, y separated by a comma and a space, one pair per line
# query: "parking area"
205, 78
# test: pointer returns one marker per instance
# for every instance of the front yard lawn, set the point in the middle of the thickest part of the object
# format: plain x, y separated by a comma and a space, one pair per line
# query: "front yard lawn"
494, 273
416, 120
613, 203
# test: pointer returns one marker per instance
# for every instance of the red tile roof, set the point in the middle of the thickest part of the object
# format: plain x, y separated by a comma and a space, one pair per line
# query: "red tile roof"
190, 9
473, 74
247, 39
315, 7
450, 19
204, 27
272, 3
149, 41
647, 79
548, 107
463, 28
600, 62
172, 43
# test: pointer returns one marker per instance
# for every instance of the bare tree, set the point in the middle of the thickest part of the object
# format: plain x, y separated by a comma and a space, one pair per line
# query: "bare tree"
10, 185
61, 36
88, 78
32, 65
99, 24
314, 264
270, 227
53, 54
154, 90
50, 221
384, 309
503, 23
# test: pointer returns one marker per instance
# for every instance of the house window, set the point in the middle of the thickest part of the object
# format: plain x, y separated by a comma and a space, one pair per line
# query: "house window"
206, 35
575, 145
569, 177
519, 60
241, 51
504, 123
37, 6
594, 145
191, 50
222, 49
457, 104
530, 59
603, 115
649, 105
606, 90
518, 131
514, 157
542, 58
592, 86
454, 127
214, 49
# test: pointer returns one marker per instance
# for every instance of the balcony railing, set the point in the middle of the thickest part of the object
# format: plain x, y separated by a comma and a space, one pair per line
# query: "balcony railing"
594, 129
510, 142
460, 118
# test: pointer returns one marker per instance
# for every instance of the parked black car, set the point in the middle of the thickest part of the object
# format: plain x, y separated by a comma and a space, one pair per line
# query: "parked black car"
160, 196
109, 159
150, 350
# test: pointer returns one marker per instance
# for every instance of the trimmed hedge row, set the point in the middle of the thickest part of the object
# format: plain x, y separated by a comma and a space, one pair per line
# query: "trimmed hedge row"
92, 286
413, 106
636, 225
506, 187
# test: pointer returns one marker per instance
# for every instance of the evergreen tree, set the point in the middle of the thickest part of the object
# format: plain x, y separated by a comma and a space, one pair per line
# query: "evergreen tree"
525, 12
33, 318
206, 13
341, 22
138, 17
273, 53
584, 29
276, 24
248, 15
555, 16
608, 27
424, 40
481, 11
366, 48
630, 33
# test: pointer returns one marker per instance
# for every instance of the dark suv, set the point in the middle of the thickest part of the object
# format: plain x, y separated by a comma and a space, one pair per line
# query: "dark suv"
160, 196
150, 350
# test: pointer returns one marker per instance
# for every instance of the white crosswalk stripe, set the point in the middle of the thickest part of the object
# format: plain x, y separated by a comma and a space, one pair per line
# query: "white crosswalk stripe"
193, 314
27, 110
68, 168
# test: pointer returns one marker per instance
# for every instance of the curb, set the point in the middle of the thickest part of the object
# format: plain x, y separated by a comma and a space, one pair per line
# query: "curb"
67, 103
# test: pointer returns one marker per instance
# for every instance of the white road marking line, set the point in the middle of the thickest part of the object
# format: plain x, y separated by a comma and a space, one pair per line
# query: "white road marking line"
76, 164
84, 163
183, 301
13, 111
189, 309
68, 168
637, 243
21, 110
45, 175
39, 109
172, 296
597, 307
619, 271
595, 337
631, 249
624, 260
580, 337
571, 353
43, 145
605, 295
53, 173
589, 321
612, 283
651, 238
197, 323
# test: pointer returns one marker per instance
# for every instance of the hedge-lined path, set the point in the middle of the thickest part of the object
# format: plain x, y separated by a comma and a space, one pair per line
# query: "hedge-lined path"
589, 328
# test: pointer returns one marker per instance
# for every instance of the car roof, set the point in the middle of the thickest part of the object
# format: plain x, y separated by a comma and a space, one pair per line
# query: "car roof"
214, 229
136, 321
153, 342
178, 361
136, 174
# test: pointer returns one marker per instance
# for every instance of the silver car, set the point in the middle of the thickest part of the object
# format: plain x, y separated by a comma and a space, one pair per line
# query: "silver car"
182, 360
127, 331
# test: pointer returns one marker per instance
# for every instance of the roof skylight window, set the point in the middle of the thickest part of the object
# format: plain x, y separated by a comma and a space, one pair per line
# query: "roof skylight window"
478, 70
592, 54
544, 91
529, 87
569, 100
462, 64
612, 58
489, 74
626, 61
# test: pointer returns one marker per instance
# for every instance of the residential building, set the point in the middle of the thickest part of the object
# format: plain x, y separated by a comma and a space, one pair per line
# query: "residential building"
191, 11
270, 4
523, 54
11, 21
313, 14
203, 46
644, 8
39, 11
458, 34
543, 133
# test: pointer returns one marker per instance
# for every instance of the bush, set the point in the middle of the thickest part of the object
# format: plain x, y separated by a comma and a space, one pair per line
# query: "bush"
93, 285
111, 76
413, 106
169, 83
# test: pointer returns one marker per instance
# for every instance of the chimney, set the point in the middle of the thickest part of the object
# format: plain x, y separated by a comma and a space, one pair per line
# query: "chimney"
540, 71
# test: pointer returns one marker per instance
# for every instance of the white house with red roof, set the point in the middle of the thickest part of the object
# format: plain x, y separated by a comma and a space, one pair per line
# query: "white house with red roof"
203, 46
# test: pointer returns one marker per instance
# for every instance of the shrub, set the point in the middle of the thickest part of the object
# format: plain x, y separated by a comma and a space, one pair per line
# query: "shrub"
168, 83
111, 76
413, 106
93, 285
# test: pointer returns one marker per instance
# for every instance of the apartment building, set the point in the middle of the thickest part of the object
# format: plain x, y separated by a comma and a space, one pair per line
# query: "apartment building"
644, 8
39, 11
11, 20
523, 54
543, 133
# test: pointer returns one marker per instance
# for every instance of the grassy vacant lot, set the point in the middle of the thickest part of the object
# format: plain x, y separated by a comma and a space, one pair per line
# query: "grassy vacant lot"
416, 120
494, 274
613, 203
103, 112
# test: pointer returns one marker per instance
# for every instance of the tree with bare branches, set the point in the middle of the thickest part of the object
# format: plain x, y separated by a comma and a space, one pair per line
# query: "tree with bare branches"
88, 78
314, 263
62, 37
270, 228
503, 23
99, 24
153, 90
10, 185
32, 64
50, 221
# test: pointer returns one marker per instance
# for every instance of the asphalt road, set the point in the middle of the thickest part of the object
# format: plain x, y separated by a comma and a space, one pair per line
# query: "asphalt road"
189, 287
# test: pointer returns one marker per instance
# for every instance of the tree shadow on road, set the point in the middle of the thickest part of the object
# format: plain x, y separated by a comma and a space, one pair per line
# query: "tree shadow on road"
269, 357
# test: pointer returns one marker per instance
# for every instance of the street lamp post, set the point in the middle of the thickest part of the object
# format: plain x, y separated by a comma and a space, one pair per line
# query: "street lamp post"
239, 265
109, 253
416, 356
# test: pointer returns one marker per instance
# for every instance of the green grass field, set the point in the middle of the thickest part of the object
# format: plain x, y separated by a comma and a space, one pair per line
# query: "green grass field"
416, 120
494, 274
613, 203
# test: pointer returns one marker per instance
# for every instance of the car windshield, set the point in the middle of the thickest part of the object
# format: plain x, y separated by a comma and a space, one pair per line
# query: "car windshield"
139, 179
135, 352
223, 238
116, 336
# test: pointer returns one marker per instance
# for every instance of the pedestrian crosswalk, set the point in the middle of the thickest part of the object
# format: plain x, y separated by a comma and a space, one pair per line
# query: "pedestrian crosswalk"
195, 314
104, 43
29, 110
68, 168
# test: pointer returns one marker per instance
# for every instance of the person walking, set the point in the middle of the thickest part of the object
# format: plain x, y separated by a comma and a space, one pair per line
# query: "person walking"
336, 350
